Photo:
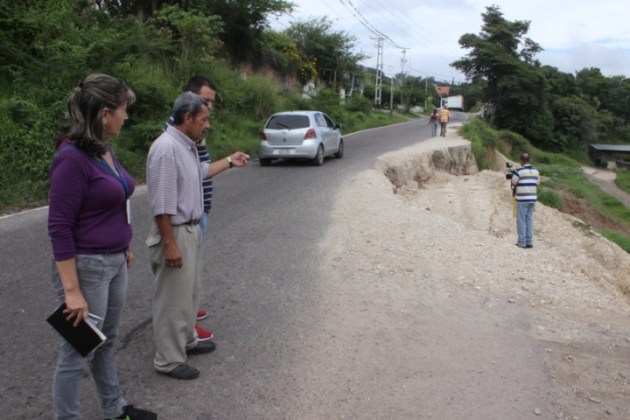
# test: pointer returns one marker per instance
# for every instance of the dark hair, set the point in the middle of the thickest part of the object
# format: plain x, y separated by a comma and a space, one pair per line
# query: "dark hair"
82, 123
197, 82
187, 102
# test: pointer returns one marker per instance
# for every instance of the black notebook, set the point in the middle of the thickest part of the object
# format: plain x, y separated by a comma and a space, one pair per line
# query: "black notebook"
85, 337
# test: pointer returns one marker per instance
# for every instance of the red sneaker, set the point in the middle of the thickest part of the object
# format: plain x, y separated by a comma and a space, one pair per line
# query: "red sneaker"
202, 314
203, 335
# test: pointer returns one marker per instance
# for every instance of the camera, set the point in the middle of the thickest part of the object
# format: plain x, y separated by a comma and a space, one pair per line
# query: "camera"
510, 171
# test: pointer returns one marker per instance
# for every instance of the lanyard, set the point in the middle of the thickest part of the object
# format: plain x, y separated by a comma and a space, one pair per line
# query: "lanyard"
100, 161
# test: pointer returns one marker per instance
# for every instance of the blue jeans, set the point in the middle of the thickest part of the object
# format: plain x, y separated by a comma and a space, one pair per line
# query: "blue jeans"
434, 128
525, 223
103, 282
203, 225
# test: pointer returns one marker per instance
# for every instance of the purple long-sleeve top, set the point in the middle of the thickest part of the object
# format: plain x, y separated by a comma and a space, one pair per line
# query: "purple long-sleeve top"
87, 206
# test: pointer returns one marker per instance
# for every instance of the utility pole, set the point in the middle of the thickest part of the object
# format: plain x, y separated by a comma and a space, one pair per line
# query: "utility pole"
426, 92
403, 61
378, 86
391, 96
352, 85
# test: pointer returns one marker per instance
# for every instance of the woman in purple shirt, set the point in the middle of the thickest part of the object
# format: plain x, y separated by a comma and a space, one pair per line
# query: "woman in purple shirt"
90, 230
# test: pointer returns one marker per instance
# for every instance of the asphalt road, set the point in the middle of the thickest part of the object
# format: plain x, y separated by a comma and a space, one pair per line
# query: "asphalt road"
260, 274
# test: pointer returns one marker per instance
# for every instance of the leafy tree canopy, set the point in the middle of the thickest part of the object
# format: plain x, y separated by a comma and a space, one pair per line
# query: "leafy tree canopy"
496, 51
332, 51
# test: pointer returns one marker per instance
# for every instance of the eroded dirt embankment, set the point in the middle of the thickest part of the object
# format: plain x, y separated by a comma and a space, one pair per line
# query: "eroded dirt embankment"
432, 165
421, 267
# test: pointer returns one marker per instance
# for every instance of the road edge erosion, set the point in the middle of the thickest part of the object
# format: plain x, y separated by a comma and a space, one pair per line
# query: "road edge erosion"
577, 284
427, 158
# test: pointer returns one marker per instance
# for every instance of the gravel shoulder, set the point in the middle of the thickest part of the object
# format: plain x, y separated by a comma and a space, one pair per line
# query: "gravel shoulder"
429, 310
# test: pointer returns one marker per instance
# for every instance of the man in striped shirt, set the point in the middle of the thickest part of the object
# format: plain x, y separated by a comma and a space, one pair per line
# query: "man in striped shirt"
205, 88
525, 181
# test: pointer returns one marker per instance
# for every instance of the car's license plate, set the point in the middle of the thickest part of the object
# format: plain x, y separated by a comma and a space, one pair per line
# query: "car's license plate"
284, 151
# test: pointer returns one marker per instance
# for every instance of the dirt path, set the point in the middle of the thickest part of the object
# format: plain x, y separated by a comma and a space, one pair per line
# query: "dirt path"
429, 311
606, 181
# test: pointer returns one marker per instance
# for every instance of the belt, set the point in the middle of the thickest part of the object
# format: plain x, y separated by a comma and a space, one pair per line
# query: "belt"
191, 222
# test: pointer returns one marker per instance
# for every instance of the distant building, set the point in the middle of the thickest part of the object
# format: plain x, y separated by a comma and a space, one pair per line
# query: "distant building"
443, 90
610, 155
454, 102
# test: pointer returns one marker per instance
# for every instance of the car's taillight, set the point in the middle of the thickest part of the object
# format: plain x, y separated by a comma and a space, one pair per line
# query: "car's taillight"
310, 134
262, 136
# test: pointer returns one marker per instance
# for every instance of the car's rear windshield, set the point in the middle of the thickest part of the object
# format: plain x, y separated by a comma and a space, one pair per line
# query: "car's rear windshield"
279, 122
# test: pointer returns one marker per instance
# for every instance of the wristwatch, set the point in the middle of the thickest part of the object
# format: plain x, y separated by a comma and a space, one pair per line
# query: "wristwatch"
230, 163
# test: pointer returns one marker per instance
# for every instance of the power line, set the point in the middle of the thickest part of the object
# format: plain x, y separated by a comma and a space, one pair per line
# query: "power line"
402, 16
388, 12
357, 14
416, 30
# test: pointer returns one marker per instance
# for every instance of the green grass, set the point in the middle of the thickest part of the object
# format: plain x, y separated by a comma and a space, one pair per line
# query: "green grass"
549, 197
619, 238
573, 178
623, 180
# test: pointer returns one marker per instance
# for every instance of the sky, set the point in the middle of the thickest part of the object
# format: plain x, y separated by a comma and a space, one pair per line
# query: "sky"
421, 37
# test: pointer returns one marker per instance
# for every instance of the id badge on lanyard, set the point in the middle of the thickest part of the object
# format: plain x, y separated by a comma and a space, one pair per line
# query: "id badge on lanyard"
120, 177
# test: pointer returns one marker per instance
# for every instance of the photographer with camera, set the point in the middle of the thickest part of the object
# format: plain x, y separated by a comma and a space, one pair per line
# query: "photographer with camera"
524, 182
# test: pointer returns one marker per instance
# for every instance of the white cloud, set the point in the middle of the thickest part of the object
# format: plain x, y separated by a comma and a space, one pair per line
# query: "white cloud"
575, 35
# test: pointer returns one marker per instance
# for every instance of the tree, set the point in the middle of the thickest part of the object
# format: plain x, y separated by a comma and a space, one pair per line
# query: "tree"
243, 24
576, 124
194, 34
282, 54
144, 9
616, 98
503, 57
560, 84
243, 21
495, 51
415, 91
592, 85
521, 104
331, 51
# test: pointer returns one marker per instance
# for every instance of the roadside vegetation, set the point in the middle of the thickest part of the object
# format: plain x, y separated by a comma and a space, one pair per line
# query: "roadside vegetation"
48, 47
623, 180
25, 183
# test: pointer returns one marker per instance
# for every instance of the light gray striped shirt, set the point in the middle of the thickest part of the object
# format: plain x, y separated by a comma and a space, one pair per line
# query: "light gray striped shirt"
174, 176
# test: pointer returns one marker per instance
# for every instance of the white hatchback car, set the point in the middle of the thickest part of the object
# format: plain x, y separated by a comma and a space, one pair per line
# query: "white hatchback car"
300, 135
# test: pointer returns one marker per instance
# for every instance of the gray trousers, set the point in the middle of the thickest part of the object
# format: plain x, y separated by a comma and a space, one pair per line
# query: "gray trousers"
176, 295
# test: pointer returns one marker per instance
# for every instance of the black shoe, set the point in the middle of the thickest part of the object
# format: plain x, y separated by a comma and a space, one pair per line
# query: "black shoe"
132, 413
529, 246
184, 372
520, 246
202, 347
